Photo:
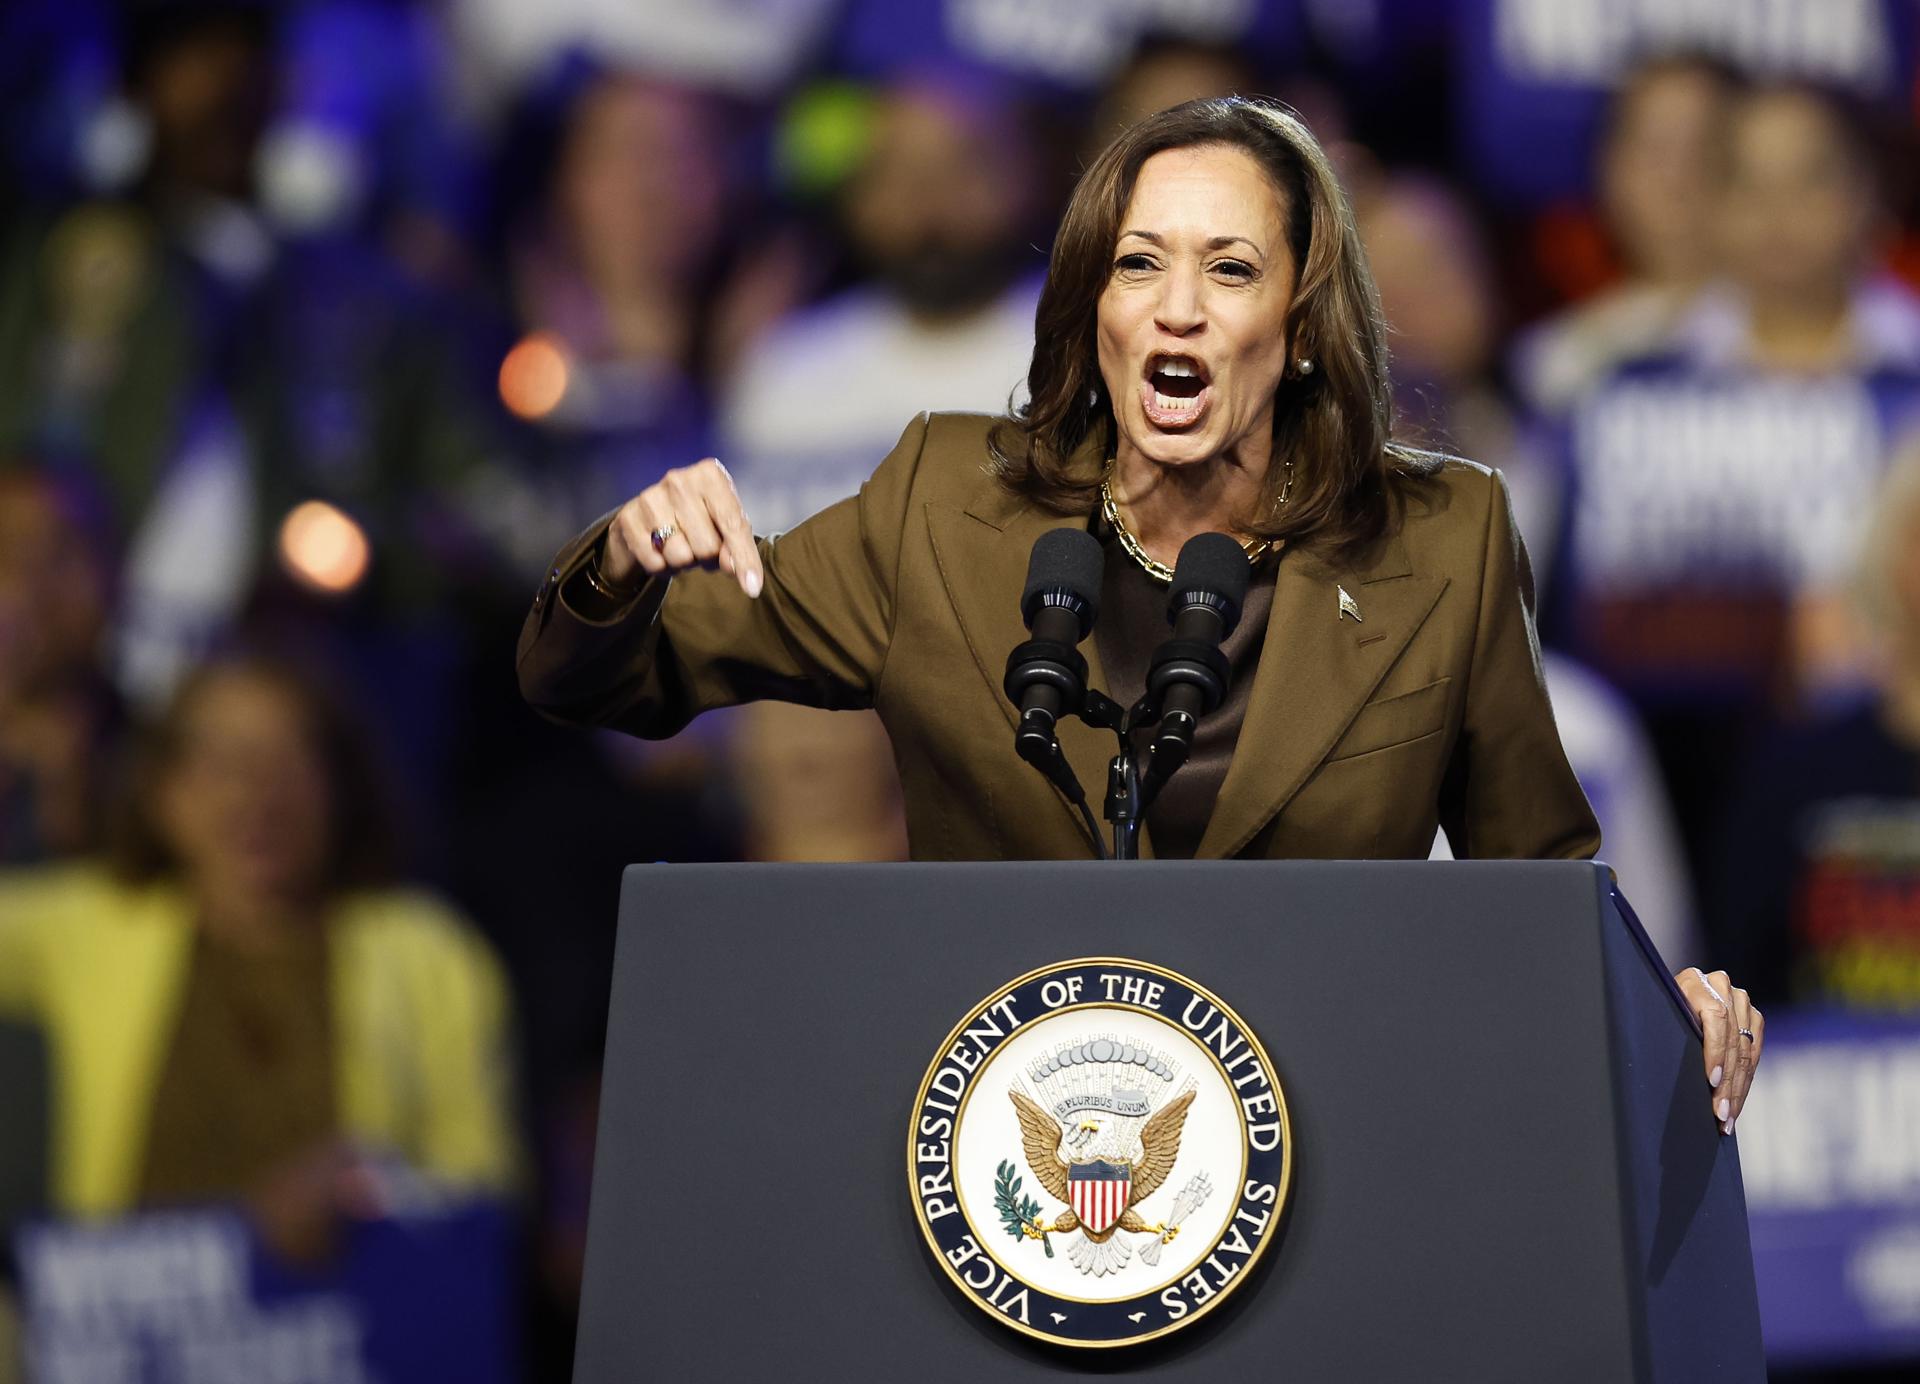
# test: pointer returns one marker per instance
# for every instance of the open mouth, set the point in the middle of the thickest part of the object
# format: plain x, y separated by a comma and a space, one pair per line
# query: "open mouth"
1175, 390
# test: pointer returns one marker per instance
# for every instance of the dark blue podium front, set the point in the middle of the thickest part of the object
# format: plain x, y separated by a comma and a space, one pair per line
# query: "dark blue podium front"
1505, 1165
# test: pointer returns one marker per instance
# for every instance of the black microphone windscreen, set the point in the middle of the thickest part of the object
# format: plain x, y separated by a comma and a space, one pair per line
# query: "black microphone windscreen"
1068, 560
1215, 564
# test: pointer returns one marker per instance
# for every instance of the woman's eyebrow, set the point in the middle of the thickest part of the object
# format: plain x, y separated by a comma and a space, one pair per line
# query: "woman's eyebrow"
1219, 242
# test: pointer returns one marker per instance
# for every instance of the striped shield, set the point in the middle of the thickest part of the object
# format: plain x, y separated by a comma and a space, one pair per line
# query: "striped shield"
1099, 1190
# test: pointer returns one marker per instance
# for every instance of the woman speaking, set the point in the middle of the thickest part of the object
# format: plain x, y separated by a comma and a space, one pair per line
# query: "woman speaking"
1209, 357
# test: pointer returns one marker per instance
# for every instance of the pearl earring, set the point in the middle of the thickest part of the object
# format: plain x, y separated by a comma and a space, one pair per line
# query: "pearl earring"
1304, 366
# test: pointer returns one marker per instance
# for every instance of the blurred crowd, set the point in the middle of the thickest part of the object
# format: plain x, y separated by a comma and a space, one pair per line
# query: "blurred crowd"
324, 323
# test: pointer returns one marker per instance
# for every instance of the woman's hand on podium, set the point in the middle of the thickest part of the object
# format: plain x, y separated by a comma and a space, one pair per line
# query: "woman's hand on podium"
1732, 1032
690, 518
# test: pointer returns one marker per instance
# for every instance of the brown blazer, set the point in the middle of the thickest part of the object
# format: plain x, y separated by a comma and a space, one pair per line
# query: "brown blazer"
1358, 740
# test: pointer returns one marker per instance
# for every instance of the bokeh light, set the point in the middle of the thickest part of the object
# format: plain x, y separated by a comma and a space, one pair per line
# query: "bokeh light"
324, 548
533, 377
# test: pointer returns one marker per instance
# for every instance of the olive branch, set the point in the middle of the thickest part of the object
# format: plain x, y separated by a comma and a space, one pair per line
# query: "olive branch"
1017, 1213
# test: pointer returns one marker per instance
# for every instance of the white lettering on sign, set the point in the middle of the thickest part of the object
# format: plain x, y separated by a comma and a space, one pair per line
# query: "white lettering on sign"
1592, 42
1082, 42
1884, 1273
157, 1273
1831, 1125
1762, 482
170, 1292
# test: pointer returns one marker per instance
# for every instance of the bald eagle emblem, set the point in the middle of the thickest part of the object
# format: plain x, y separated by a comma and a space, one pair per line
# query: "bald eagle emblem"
1100, 1131
1072, 1125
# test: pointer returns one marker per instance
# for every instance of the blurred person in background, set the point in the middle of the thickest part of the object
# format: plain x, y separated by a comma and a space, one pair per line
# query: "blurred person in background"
1818, 859
59, 715
940, 212
1801, 222
1720, 485
1165, 70
1171, 66
613, 274
1430, 259
241, 1003
1660, 165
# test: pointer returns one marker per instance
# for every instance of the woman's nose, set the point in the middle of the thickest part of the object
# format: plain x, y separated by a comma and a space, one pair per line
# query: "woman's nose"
1179, 310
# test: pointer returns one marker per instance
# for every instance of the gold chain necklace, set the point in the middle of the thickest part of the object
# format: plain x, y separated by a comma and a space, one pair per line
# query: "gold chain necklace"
1255, 548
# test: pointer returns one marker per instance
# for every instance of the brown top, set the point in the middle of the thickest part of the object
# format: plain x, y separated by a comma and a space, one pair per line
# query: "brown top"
1423, 706
248, 1081
1133, 623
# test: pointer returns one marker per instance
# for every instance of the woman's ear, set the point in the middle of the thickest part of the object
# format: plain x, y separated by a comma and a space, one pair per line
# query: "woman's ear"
1300, 342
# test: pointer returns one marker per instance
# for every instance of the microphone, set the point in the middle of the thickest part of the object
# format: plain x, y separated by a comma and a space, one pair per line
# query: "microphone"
1188, 675
1047, 676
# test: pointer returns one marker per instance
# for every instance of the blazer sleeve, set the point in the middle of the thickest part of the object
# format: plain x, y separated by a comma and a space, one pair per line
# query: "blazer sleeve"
818, 633
1509, 792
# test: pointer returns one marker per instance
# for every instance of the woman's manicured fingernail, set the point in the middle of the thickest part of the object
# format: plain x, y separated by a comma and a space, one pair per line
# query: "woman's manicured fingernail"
1714, 1080
1726, 1108
1727, 1128
753, 583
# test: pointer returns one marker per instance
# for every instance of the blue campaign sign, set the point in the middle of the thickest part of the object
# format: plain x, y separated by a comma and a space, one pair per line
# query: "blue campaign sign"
186, 1297
1705, 495
1830, 1152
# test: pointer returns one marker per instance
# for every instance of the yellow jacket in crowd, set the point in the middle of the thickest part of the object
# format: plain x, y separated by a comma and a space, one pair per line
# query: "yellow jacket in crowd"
419, 1010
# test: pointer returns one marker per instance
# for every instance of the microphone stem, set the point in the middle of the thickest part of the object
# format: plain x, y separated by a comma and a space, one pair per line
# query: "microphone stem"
1166, 755
1123, 805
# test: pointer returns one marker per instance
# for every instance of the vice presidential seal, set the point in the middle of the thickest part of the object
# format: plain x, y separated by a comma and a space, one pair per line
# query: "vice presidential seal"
1099, 1152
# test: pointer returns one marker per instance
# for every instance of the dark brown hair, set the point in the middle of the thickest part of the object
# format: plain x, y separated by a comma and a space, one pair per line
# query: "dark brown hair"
1335, 424
361, 828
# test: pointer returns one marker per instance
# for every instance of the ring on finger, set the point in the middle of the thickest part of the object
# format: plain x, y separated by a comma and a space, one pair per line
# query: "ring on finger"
1747, 1034
662, 534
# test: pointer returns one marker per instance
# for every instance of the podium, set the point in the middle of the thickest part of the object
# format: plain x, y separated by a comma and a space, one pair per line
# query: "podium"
1505, 1166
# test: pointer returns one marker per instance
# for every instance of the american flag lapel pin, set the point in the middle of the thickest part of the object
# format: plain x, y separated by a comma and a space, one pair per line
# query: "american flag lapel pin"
1347, 606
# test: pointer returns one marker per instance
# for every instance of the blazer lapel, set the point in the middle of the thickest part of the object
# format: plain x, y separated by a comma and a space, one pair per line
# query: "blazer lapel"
1317, 668
982, 554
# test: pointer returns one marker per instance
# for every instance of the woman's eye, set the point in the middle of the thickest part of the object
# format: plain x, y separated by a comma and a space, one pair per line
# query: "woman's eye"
1133, 263
1234, 269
